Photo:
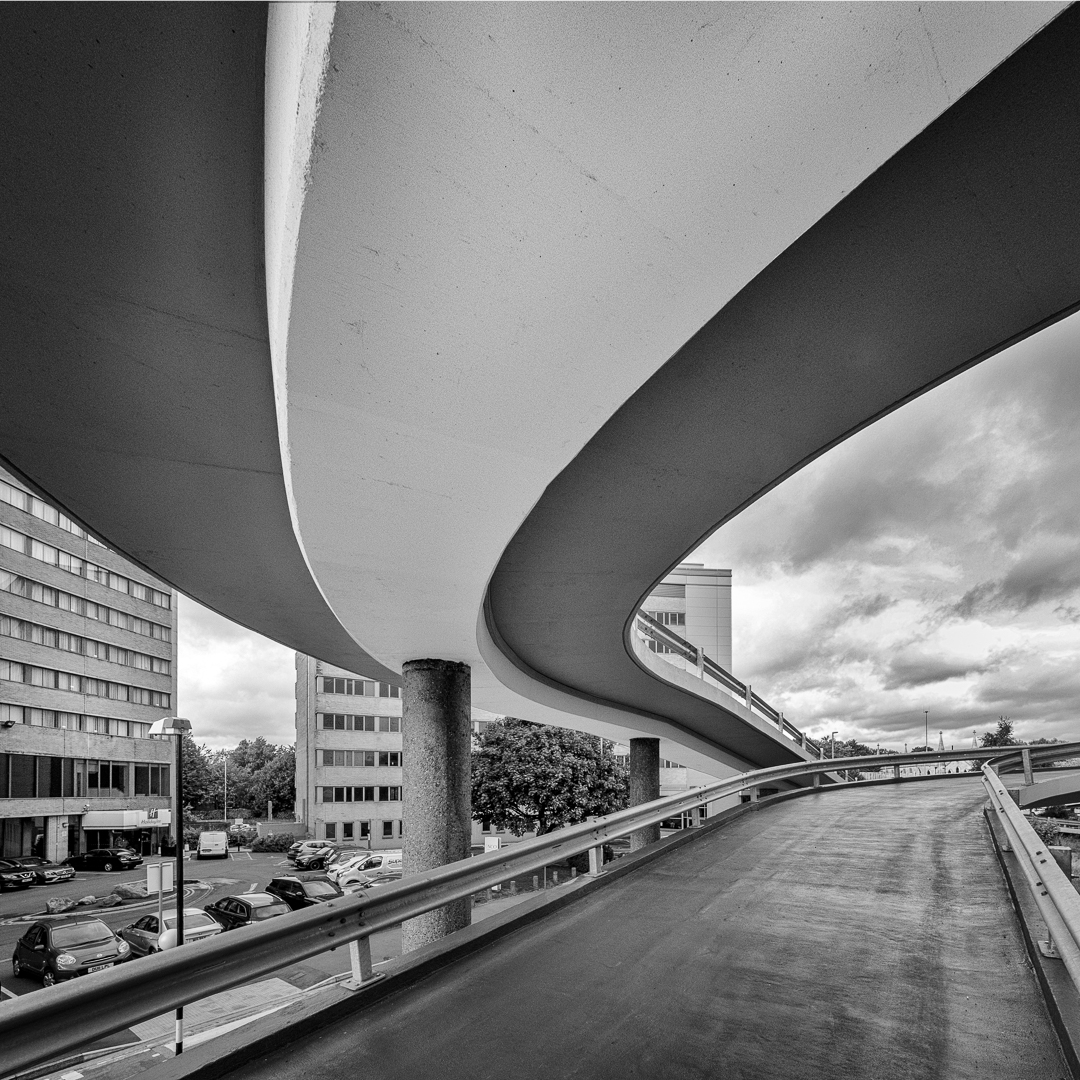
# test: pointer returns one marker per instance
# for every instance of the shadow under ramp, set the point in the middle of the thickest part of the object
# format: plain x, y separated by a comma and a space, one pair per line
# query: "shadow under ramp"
862, 933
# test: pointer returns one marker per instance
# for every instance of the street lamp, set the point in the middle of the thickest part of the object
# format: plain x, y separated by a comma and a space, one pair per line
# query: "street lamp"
926, 729
178, 727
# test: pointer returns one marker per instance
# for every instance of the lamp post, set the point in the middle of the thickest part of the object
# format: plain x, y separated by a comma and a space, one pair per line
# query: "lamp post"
926, 729
178, 727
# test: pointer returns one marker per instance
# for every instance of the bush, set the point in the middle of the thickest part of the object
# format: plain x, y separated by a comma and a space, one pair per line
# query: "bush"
277, 842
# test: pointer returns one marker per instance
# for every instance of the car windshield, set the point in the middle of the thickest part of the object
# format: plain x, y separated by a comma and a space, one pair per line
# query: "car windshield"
66, 937
192, 919
270, 910
319, 888
5, 866
33, 860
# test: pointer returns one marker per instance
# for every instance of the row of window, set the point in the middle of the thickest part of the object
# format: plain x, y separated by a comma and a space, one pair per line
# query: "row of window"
31, 504
348, 722
356, 687
78, 605
29, 776
70, 721
59, 639
55, 556
360, 830
668, 618
362, 758
361, 794
82, 684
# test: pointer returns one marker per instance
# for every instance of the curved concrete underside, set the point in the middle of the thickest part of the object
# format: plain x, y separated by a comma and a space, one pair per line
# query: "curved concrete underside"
488, 228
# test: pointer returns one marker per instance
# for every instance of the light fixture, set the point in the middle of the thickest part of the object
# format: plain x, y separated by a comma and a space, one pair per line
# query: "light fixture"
7, 723
171, 725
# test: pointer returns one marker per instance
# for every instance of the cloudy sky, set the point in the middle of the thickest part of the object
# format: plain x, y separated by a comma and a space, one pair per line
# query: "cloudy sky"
932, 562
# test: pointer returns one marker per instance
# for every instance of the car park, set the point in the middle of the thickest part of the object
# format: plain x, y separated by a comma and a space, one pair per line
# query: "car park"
300, 893
45, 872
344, 862
235, 911
55, 951
106, 859
14, 876
145, 935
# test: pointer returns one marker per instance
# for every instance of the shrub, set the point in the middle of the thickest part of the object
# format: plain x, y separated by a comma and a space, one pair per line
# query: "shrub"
277, 842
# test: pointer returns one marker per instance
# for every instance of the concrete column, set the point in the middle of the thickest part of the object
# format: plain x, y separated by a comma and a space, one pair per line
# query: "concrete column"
436, 739
644, 785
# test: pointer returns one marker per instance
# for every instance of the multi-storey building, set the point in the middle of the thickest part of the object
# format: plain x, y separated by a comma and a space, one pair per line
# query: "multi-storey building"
695, 601
87, 664
348, 756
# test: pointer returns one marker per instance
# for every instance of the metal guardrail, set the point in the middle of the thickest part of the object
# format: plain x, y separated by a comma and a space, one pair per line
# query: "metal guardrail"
1058, 902
45, 1025
707, 668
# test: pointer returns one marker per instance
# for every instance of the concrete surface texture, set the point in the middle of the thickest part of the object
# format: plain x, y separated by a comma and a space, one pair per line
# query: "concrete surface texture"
863, 933
436, 739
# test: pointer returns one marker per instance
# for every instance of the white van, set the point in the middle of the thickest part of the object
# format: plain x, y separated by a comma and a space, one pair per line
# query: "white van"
376, 865
212, 845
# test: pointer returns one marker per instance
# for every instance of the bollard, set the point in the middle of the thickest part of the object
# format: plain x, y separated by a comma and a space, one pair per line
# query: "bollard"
1063, 857
513, 888
555, 877
573, 872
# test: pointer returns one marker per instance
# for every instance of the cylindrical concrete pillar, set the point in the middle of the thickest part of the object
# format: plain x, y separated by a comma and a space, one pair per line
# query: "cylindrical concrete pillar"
644, 785
436, 739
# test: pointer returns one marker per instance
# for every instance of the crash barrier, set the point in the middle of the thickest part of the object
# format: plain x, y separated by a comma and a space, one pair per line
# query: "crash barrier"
45, 1025
1053, 893
707, 668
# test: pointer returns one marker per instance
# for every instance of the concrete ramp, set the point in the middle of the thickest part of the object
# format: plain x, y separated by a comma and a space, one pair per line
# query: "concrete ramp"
861, 933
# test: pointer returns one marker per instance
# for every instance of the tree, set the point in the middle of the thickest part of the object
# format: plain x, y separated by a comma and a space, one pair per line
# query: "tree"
1002, 737
198, 780
274, 782
531, 777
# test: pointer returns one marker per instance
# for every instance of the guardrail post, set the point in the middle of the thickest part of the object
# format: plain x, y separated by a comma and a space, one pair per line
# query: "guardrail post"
817, 779
596, 861
802, 740
780, 723
701, 663
1029, 777
753, 794
896, 772
360, 958
749, 697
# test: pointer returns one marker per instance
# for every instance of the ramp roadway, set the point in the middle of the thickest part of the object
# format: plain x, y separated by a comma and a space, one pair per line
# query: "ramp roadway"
862, 933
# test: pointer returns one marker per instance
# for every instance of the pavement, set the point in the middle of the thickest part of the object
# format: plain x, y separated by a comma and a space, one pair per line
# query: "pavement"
857, 934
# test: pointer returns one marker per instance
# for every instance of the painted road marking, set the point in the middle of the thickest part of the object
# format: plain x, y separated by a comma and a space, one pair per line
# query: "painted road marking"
7, 993
252, 887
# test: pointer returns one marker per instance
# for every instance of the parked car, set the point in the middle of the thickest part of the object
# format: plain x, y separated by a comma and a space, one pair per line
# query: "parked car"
105, 859
378, 864
253, 907
144, 935
54, 951
344, 861
300, 894
212, 845
315, 858
374, 882
14, 876
45, 872
302, 847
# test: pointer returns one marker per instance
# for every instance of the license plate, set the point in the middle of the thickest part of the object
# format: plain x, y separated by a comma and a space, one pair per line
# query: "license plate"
99, 967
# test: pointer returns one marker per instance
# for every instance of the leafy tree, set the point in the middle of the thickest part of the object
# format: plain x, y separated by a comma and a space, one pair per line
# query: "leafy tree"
198, 780
274, 782
253, 755
529, 776
1002, 737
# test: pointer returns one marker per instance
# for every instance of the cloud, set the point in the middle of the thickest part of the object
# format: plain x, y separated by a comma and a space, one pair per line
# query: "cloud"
233, 684
932, 561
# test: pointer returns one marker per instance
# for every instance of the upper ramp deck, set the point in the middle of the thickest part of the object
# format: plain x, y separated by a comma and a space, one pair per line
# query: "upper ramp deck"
861, 933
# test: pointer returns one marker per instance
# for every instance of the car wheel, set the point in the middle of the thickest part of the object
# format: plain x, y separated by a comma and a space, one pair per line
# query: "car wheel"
107, 867
16, 967
48, 978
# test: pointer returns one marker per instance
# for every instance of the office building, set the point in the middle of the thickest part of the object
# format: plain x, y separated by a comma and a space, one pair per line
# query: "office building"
87, 664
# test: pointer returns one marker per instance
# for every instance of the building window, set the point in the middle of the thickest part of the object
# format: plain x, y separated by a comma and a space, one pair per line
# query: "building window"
388, 830
390, 794
361, 758
351, 722
330, 830
365, 830
347, 831
327, 684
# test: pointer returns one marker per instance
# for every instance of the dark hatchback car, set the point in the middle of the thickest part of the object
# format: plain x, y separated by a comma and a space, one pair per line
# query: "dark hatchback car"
234, 911
14, 876
105, 859
45, 872
299, 893
66, 949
